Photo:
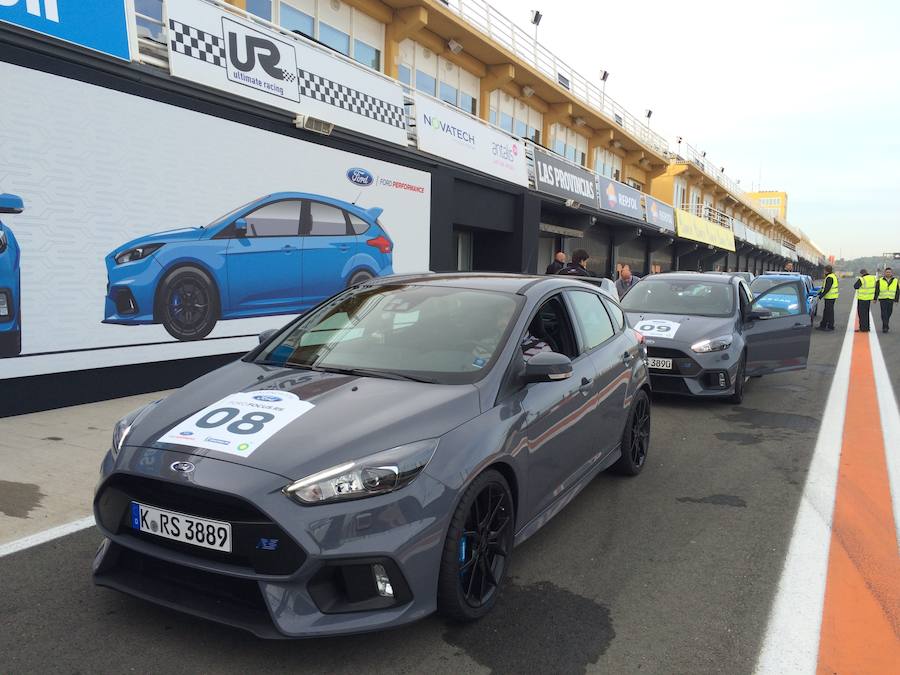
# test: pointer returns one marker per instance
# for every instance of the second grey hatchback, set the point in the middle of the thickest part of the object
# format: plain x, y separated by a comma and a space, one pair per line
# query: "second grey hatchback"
378, 458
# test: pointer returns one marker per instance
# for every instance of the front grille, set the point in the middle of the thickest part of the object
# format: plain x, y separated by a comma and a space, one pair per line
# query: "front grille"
682, 364
249, 525
662, 384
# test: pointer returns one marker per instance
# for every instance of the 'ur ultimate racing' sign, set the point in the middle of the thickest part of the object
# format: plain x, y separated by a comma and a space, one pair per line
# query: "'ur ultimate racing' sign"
563, 179
216, 48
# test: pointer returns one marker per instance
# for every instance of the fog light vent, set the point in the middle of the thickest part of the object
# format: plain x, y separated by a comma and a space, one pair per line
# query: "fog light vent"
382, 581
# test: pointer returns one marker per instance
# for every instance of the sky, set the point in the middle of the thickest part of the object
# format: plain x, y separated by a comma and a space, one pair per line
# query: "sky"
792, 95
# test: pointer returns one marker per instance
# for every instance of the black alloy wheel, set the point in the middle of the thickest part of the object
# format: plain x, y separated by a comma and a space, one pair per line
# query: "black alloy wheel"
636, 437
187, 305
477, 550
740, 379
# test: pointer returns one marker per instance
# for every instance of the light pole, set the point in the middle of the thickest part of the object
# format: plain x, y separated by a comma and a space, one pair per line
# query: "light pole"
604, 76
536, 17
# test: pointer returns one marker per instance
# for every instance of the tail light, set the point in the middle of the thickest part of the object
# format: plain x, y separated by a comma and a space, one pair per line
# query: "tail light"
382, 243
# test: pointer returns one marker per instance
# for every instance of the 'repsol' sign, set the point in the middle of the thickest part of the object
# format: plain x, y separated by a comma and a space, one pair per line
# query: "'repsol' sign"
562, 179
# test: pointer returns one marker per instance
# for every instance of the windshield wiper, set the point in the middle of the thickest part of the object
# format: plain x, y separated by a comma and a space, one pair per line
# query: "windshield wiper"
371, 372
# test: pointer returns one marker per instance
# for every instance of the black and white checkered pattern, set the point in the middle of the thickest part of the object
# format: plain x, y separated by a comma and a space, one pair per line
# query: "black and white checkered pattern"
196, 43
341, 96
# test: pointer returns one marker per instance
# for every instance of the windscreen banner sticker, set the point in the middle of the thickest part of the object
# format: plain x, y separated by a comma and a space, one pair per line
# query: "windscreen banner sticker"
657, 328
238, 424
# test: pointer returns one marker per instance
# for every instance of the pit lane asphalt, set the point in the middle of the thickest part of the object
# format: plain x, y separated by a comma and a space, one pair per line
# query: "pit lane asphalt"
673, 571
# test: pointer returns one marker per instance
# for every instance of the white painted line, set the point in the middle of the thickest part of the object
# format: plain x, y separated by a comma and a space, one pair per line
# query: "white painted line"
45, 536
890, 424
791, 644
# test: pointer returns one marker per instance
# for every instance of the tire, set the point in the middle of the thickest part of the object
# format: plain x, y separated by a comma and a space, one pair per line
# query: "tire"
635, 438
739, 381
466, 592
187, 304
359, 277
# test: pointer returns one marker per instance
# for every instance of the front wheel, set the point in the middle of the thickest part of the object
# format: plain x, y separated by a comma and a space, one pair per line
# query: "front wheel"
477, 549
187, 304
636, 437
739, 380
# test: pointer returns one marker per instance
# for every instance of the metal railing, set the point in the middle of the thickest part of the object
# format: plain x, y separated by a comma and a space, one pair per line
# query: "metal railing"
499, 28
687, 153
709, 213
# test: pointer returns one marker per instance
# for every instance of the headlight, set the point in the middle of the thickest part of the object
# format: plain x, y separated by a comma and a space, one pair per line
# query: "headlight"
374, 475
716, 344
124, 426
4, 242
136, 253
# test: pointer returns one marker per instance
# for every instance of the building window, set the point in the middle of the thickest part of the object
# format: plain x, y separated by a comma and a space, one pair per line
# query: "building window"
468, 103
148, 16
449, 94
367, 55
506, 122
294, 20
261, 8
439, 77
514, 115
332, 37
404, 74
637, 185
425, 82
569, 144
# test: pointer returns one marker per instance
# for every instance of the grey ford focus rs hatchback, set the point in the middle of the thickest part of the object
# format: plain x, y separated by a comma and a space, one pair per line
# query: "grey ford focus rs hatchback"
378, 458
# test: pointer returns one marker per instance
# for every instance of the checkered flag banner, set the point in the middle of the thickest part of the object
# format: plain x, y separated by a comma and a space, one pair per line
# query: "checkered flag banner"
344, 97
197, 43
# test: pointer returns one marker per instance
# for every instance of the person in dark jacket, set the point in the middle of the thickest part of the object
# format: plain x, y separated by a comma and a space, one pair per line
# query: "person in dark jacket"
577, 267
559, 261
887, 296
830, 293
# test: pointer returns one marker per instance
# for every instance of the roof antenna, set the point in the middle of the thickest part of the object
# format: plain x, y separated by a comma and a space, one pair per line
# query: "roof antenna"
357, 198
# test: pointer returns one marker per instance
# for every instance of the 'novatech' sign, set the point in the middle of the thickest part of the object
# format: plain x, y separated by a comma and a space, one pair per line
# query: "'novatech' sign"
100, 25
562, 179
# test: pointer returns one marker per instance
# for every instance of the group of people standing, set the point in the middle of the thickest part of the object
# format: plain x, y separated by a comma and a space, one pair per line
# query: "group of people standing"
883, 290
578, 268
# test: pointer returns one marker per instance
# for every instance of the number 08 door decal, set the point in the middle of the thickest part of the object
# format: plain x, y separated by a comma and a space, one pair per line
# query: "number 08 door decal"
239, 423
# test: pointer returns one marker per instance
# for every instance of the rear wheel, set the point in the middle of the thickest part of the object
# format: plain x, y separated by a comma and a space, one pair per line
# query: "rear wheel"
477, 549
187, 304
636, 437
359, 277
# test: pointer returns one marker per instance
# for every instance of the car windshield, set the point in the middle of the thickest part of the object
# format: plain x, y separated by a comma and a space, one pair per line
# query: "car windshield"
437, 334
761, 284
671, 296
231, 214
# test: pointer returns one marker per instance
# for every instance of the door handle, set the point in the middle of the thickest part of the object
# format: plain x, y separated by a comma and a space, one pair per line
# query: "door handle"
585, 385
627, 358
287, 248
343, 247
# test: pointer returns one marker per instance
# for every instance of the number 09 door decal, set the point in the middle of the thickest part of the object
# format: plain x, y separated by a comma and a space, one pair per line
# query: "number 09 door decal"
657, 328
239, 423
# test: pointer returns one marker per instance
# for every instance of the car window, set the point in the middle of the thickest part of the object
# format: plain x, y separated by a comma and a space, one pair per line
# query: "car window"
549, 330
616, 314
358, 224
281, 219
326, 220
746, 298
593, 317
782, 300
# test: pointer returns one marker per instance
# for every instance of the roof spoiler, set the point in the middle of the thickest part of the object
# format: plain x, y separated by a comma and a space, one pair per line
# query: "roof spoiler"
375, 212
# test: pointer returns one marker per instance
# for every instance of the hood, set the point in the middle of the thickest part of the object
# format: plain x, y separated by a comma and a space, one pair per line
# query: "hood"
181, 234
690, 329
352, 417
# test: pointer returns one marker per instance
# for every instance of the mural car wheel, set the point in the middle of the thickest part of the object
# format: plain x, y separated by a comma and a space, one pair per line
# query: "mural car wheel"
187, 304
359, 277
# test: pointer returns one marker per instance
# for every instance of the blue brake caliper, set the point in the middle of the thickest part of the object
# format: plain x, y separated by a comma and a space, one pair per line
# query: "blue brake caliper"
462, 550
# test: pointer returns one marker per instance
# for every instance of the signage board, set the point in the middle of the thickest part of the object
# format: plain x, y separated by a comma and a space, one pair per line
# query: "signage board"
557, 177
444, 131
620, 198
660, 214
100, 25
699, 229
213, 47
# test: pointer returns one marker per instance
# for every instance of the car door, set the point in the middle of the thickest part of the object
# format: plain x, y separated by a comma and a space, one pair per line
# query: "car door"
554, 434
612, 353
777, 329
328, 245
263, 262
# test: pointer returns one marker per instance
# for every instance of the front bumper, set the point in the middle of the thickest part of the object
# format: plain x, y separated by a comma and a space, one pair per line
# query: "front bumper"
131, 291
702, 375
314, 584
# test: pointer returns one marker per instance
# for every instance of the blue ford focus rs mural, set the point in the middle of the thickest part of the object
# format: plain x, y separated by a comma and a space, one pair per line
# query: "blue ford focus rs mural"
279, 254
10, 282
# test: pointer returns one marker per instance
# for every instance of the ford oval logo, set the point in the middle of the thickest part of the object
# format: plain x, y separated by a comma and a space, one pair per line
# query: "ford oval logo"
359, 176
182, 467
268, 398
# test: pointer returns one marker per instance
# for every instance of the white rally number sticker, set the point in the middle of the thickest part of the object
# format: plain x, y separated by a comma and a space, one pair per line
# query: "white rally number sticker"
657, 328
240, 423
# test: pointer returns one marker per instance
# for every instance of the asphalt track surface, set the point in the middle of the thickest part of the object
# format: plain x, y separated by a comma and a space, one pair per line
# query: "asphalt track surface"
673, 571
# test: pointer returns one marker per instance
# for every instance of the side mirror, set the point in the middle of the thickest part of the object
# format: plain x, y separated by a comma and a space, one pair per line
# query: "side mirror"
759, 314
11, 203
240, 226
266, 335
548, 367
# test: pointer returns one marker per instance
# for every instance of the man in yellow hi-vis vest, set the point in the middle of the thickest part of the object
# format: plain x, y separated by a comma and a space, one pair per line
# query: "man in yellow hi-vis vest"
887, 296
829, 293
865, 293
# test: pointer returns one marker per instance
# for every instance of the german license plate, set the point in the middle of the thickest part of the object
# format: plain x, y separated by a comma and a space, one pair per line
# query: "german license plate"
659, 364
213, 534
